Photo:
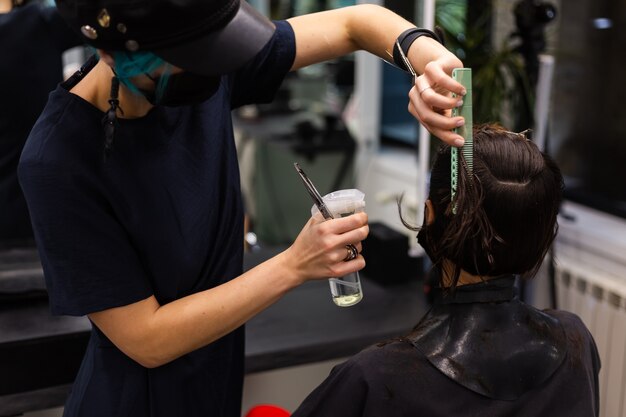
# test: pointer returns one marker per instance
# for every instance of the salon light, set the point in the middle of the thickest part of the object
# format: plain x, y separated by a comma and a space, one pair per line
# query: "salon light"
602, 23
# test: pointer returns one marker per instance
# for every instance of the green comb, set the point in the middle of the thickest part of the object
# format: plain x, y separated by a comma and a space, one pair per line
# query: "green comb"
463, 76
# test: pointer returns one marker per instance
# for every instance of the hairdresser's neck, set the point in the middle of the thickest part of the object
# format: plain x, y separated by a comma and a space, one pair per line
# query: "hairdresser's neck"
96, 89
464, 279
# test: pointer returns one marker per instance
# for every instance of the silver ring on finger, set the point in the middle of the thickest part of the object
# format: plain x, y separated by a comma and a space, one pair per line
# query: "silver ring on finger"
352, 252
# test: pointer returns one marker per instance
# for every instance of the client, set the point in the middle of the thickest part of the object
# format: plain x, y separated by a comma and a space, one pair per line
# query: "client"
479, 351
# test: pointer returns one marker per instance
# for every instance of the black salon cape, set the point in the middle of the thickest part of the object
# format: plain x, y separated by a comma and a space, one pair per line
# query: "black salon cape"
161, 215
394, 379
32, 40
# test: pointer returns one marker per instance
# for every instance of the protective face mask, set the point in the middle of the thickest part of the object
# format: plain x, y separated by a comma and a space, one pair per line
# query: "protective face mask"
183, 89
424, 239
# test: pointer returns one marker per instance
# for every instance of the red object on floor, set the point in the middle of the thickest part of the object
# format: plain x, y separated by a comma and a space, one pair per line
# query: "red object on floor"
267, 410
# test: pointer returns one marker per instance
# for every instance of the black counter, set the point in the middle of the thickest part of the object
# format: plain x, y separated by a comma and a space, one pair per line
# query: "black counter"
40, 354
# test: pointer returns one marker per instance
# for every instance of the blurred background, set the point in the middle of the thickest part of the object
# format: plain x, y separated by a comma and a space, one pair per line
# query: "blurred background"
552, 66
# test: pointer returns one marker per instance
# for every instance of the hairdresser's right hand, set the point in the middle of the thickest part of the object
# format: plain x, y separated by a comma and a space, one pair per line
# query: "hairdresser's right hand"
320, 248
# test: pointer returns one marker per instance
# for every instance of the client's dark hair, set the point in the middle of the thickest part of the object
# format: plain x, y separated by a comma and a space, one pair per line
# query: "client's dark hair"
506, 212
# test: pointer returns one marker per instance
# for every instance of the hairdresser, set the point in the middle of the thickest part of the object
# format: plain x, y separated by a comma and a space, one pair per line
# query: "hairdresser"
132, 182
33, 39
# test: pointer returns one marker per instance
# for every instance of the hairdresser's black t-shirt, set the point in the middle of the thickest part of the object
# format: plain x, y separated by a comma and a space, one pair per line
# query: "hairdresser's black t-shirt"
162, 216
32, 40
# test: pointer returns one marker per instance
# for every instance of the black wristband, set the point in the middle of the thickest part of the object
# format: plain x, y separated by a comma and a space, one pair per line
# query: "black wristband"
406, 39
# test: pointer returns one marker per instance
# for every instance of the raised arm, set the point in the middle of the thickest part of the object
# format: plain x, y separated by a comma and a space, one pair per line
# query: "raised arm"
330, 34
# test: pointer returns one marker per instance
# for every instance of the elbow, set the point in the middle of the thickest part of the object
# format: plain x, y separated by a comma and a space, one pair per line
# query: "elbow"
147, 354
147, 349
139, 333
149, 363
145, 359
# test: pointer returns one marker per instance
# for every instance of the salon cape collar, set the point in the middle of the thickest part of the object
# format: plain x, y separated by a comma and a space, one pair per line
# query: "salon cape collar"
486, 340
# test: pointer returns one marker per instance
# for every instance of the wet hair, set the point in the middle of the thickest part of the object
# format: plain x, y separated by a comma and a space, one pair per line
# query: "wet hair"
506, 216
132, 64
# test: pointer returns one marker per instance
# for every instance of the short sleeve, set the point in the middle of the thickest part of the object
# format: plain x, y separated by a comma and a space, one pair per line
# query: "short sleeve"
343, 393
259, 80
88, 260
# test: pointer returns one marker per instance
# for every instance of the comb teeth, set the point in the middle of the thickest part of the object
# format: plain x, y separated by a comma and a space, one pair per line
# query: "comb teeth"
468, 155
454, 175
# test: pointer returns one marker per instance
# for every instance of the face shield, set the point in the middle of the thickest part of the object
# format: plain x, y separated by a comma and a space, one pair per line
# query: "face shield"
204, 37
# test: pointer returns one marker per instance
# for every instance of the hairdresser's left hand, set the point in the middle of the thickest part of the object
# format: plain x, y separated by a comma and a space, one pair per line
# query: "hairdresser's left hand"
431, 98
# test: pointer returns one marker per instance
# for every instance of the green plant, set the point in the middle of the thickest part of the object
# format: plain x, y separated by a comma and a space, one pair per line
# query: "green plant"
501, 89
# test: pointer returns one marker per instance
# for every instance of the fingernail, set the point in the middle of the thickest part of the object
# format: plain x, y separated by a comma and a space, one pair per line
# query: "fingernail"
459, 142
459, 103
460, 122
463, 92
